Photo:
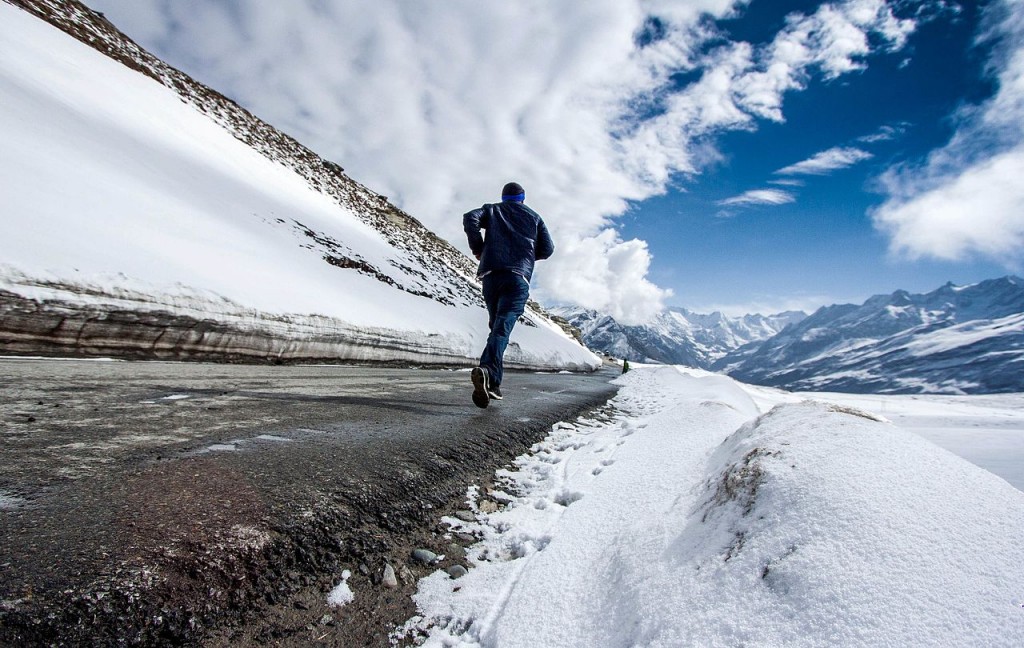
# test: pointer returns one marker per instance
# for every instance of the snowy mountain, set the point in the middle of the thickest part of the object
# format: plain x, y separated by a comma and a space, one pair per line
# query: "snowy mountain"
676, 335
957, 339
146, 215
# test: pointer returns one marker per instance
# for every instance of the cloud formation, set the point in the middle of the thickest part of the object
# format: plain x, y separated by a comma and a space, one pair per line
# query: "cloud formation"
437, 107
967, 198
826, 162
884, 134
760, 197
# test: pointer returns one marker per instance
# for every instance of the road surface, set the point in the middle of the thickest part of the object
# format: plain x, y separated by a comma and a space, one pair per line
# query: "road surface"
148, 502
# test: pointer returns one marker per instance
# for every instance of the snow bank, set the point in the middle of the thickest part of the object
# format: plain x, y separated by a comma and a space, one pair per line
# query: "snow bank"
684, 518
827, 526
152, 322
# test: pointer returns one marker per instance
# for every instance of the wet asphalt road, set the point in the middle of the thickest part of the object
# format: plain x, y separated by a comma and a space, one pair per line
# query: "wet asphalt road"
109, 470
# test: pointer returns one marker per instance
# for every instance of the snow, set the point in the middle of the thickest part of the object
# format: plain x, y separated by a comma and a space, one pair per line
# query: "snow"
342, 594
700, 511
117, 193
966, 334
987, 430
219, 447
272, 437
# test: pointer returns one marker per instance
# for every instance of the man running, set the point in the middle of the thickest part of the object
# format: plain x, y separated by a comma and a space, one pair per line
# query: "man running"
516, 238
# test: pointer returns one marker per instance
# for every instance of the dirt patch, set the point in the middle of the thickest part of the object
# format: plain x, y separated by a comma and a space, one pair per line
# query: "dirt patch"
222, 564
739, 483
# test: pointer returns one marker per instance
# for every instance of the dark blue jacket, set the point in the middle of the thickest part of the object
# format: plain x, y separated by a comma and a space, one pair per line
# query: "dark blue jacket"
516, 237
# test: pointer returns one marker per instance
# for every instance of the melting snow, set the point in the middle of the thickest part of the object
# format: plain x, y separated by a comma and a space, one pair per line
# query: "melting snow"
342, 594
271, 437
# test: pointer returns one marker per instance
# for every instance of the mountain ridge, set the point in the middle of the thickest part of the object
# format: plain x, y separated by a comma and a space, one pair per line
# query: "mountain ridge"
954, 339
676, 335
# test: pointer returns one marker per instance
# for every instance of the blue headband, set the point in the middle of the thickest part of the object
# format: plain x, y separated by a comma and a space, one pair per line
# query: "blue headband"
515, 198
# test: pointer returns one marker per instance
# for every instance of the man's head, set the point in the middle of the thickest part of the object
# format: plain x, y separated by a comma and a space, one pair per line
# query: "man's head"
514, 192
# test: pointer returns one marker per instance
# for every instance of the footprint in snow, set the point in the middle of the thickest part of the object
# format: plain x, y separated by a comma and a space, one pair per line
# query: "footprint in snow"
565, 498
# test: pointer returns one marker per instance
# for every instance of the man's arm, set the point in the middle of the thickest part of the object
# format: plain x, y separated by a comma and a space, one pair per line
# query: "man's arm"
472, 221
544, 247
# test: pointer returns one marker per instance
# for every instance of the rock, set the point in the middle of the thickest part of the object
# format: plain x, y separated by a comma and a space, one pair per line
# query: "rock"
466, 537
424, 556
465, 516
407, 576
389, 579
364, 569
326, 619
301, 605
488, 506
457, 571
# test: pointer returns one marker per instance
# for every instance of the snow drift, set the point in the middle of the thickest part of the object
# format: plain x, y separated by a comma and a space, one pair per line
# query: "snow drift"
683, 517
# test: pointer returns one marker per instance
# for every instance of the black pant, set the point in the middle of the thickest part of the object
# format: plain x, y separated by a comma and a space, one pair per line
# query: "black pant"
505, 294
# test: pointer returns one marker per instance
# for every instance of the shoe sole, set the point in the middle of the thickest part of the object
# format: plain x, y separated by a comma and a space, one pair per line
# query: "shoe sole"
480, 396
494, 396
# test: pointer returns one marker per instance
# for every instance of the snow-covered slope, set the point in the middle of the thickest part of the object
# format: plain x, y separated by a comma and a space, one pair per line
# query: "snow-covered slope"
144, 213
957, 339
676, 335
702, 512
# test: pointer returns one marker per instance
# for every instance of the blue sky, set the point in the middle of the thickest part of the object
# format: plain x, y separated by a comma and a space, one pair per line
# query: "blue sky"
712, 154
822, 245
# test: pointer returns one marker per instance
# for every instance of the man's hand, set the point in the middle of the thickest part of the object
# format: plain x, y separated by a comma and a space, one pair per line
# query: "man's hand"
477, 256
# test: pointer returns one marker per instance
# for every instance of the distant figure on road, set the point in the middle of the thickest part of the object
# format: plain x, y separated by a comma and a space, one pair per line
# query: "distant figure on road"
516, 237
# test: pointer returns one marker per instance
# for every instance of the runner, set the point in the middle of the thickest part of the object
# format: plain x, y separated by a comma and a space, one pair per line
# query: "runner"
516, 238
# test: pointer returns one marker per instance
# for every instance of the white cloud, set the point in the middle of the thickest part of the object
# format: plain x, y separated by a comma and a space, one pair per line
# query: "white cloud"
760, 197
608, 274
967, 198
773, 305
438, 106
843, 31
884, 134
826, 162
979, 210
